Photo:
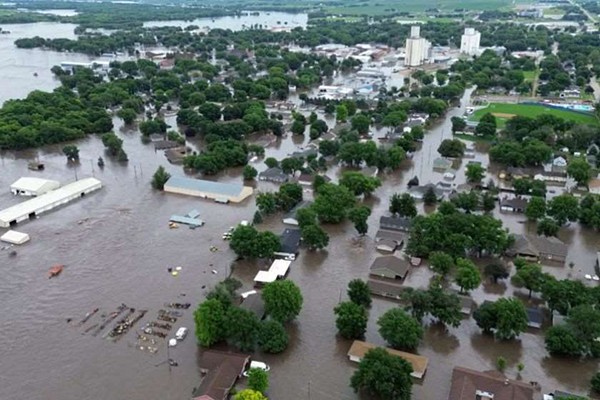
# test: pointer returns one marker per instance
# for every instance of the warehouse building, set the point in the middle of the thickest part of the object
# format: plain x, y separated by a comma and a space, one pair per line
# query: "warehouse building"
33, 186
217, 191
30, 209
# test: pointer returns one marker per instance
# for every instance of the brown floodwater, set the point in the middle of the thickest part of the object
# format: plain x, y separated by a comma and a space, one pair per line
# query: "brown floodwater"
116, 246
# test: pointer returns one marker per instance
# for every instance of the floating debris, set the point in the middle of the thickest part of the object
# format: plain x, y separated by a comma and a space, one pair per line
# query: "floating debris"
109, 319
88, 316
55, 270
89, 329
184, 306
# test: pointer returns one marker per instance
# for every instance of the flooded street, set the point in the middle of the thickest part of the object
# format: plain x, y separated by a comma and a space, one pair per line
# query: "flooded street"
116, 247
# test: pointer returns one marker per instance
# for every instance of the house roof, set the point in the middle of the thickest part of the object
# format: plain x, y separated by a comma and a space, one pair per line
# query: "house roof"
515, 202
274, 172
34, 184
421, 190
396, 236
290, 241
293, 211
255, 304
385, 288
559, 162
468, 383
220, 188
419, 363
535, 245
391, 263
594, 183
395, 223
223, 371
442, 163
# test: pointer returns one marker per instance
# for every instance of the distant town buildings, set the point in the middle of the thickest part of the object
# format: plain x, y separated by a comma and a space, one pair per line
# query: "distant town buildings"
469, 42
417, 48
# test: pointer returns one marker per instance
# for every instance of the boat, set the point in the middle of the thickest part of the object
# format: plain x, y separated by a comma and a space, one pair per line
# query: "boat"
55, 270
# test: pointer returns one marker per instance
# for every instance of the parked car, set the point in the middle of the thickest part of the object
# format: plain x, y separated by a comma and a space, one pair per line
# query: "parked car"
257, 365
181, 333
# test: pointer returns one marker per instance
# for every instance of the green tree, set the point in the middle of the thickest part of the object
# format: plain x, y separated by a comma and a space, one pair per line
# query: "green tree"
283, 300
333, 203
272, 337
496, 271
511, 318
563, 208
249, 394
451, 148
399, 329
341, 113
445, 307
467, 275
565, 294
112, 143
501, 363
441, 263
429, 197
210, 322
485, 317
314, 237
536, 208
595, 382
160, 177
249, 172
547, 227
487, 125
359, 292
468, 201
403, 205
360, 123
560, 340
128, 115
458, 124
291, 165
531, 277
359, 216
247, 242
394, 119
266, 203
475, 172
580, 171
241, 328
71, 152
351, 320
258, 380
359, 184
298, 127
306, 216
383, 375
271, 162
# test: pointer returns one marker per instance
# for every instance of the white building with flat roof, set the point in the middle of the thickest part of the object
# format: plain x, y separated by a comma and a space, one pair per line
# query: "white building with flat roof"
469, 42
417, 48
27, 186
30, 209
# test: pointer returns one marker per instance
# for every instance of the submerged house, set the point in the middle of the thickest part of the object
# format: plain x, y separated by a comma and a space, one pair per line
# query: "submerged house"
536, 247
290, 244
419, 363
390, 267
469, 384
220, 371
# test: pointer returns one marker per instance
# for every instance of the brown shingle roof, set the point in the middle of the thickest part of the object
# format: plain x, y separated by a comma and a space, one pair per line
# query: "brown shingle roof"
467, 382
386, 289
223, 371
392, 263
538, 245
419, 363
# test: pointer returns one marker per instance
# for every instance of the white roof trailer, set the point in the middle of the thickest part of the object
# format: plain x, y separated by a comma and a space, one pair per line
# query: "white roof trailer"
46, 202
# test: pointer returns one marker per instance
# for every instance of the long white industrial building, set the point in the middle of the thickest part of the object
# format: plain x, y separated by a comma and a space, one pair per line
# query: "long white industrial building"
46, 202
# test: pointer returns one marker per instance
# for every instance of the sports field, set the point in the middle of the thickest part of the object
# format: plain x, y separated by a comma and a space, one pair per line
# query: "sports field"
505, 111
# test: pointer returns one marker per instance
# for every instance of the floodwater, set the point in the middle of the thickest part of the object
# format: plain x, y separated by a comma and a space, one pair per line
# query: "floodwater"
238, 23
116, 246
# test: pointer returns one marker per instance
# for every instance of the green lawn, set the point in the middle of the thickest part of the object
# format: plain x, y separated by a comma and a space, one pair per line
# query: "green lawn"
530, 75
529, 110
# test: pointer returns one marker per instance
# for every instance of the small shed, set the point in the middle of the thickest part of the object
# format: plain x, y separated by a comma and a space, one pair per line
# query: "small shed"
14, 237
264, 277
280, 268
33, 186
390, 267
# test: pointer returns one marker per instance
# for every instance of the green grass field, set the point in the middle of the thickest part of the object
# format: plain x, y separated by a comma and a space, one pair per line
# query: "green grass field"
384, 7
530, 75
505, 111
